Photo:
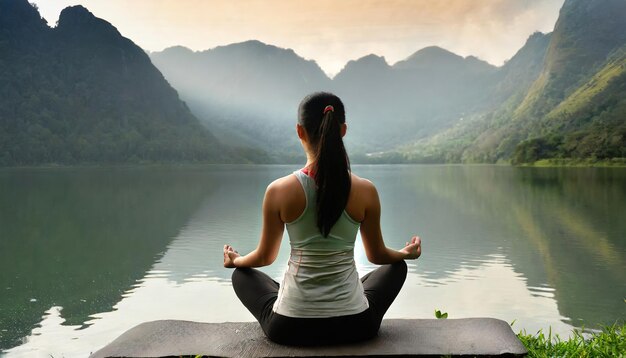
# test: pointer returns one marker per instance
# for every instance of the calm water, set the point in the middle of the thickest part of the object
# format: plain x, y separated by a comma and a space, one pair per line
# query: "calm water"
86, 254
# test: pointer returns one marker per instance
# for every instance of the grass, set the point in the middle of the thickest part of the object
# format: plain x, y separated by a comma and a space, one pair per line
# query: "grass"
610, 342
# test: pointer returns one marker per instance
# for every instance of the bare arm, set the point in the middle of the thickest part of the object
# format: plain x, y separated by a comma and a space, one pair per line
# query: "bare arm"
375, 249
271, 235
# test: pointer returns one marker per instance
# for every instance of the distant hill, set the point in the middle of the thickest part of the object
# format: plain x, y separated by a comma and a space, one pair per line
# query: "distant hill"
249, 93
82, 93
246, 92
414, 98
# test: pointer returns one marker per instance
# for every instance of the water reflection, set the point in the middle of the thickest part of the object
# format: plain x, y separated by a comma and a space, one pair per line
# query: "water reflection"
561, 228
542, 247
79, 238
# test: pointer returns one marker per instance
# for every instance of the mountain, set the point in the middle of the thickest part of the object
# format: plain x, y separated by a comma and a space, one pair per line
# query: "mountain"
82, 93
250, 73
437, 59
580, 98
585, 34
412, 99
365, 85
486, 136
563, 96
249, 92
518, 74
464, 140
246, 92
590, 123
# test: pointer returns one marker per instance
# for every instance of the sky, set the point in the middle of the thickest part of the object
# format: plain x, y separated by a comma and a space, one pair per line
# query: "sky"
331, 32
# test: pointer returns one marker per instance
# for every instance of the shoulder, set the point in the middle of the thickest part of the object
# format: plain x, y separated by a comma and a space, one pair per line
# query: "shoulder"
283, 183
283, 186
362, 183
286, 196
363, 198
363, 187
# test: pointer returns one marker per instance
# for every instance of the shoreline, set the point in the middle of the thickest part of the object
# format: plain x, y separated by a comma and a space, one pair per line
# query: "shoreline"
542, 163
577, 163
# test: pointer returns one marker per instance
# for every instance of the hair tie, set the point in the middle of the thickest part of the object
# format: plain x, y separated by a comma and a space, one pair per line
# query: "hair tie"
329, 108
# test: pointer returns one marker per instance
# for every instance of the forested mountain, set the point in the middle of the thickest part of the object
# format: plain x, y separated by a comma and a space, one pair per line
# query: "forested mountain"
574, 107
580, 98
82, 93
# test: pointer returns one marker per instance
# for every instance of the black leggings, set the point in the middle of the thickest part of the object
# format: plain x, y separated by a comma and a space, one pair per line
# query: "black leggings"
258, 292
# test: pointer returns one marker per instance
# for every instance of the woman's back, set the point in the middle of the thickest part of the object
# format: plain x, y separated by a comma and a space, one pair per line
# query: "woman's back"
321, 279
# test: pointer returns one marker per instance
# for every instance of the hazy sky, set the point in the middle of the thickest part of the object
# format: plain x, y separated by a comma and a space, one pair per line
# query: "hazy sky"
331, 32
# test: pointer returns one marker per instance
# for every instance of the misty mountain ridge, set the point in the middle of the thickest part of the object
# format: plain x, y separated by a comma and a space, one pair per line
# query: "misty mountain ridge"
249, 92
236, 73
424, 58
434, 58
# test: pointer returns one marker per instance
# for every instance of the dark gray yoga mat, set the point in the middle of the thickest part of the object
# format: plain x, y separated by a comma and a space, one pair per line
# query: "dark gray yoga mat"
397, 337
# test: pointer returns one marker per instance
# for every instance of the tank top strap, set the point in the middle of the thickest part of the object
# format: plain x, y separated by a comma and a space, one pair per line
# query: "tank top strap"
308, 185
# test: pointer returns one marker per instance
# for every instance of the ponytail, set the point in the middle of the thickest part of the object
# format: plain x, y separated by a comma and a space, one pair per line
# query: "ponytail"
332, 166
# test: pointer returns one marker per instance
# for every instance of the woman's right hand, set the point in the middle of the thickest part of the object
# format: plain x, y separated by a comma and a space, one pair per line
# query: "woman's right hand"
413, 248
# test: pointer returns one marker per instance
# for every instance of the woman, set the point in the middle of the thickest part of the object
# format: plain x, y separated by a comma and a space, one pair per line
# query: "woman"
321, 299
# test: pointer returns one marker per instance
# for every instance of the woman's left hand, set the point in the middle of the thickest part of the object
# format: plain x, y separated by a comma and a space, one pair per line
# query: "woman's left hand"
229, 256
413, 248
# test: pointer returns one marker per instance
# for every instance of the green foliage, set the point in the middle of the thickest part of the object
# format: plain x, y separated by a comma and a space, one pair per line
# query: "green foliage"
534, 149
584, 162
610, 342
440, 315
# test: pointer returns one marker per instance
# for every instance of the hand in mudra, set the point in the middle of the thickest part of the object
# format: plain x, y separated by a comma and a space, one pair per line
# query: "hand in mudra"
413, 248
229, 256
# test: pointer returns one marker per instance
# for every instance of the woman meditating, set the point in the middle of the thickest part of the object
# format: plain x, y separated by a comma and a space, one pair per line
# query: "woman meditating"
321, 299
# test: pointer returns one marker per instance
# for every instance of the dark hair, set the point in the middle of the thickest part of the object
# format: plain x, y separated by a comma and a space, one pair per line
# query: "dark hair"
332, 167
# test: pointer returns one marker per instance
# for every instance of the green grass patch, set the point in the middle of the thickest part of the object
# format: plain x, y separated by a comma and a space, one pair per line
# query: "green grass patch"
610, 342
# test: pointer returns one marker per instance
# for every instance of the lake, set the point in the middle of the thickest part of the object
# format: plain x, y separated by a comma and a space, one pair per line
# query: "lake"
87, 253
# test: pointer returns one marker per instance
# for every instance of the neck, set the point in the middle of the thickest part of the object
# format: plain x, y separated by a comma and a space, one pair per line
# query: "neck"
309, 162
310, 158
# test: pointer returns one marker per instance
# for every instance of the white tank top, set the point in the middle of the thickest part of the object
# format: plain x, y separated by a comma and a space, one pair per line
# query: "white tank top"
321, 279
